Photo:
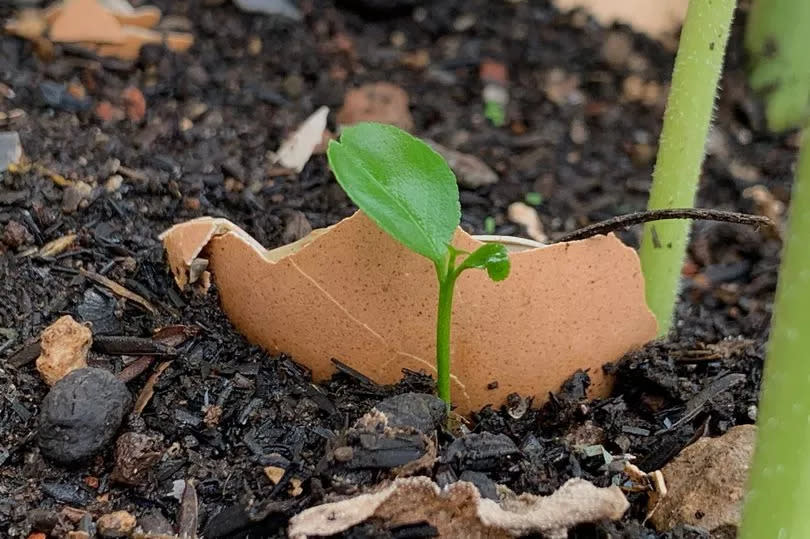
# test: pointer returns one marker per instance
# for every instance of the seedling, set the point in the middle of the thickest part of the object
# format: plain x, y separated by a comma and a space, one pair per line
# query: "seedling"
681, 149
409, 191
533, 198
778, 496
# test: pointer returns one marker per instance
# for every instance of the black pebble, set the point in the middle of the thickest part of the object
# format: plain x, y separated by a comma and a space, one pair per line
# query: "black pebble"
420, 411
81, 414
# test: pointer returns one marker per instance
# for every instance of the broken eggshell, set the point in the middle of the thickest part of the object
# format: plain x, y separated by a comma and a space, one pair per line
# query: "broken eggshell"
459, 511
353, 293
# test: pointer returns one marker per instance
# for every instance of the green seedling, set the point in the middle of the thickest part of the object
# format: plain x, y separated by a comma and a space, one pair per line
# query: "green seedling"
779, 485
409, 191
533, 199
489, 225
681, 149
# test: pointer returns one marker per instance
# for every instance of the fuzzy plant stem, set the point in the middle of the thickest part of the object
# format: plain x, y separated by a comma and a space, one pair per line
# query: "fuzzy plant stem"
443, 325
779, 486
681, 149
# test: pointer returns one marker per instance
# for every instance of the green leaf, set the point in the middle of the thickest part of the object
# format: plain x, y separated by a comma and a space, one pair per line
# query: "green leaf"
778, 42
491, 256
400, 183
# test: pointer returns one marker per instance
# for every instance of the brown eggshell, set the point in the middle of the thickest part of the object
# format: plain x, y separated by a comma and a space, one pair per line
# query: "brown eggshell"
135, 37
85, 20
144, 16
353, 293
656, 19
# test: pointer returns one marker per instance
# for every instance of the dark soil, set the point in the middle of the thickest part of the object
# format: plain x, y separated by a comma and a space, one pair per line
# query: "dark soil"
265, 411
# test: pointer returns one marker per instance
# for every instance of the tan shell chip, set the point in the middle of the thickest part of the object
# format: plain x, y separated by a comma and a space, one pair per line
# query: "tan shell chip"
353, 293
85, 20
143, 16
656, 18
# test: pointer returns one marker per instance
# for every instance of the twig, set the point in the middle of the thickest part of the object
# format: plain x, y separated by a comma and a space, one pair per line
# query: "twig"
630, 219
118, 289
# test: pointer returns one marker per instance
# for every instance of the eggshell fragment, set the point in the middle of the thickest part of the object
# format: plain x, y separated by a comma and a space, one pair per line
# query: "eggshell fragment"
353, 293
296, 150
656, 19
85, 20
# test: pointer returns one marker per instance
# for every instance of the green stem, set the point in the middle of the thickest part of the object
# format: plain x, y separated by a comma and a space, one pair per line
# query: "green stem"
681, 149
443, 323
779, 491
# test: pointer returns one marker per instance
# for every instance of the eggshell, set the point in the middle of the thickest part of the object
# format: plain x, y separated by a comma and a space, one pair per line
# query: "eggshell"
656, 19
85, 20
353, 293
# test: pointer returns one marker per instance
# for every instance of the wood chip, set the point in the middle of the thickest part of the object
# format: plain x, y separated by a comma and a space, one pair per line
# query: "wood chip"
149, 389
119, 290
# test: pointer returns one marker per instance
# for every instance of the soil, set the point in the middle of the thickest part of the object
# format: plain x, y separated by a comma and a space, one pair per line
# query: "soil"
202, 148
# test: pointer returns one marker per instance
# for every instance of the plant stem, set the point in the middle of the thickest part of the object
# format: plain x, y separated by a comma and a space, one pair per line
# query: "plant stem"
779, 485
447, 283
681, 149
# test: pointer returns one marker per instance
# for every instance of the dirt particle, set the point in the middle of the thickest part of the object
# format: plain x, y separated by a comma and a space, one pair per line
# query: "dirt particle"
16, 234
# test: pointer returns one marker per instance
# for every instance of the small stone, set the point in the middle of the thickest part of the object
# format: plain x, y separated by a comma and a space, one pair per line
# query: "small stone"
135, 455
642, 155
254, 46
64, 346
74, 195
16, 235
10, 149
616, 49
482, 482
588, 433
562, 88
116, 524
376, 102
492, 71
283, 8
293, 86
419, 411
108, 113
81, 414
633, 88
274, 473
383, 6
343, 453
578, 133
706, 483
60, 97
416, 60
154, 523
78, 534
470, 171
480, 451
297, 227
113, 183
134, 103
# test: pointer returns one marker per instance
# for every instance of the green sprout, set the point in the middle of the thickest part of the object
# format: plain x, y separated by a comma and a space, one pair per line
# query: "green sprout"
408, 190
533, 198
489, 225
681, 149
779, 491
